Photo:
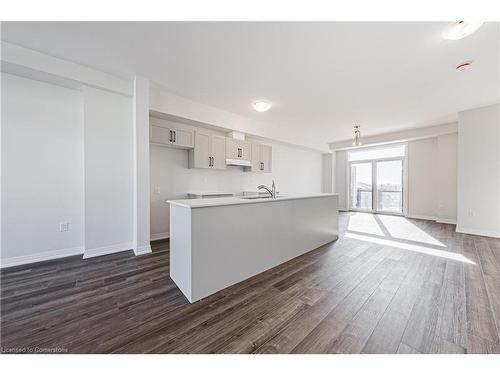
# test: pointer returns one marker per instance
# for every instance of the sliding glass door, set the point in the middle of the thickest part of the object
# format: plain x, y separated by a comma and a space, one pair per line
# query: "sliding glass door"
361, 189
389, 178
376, 185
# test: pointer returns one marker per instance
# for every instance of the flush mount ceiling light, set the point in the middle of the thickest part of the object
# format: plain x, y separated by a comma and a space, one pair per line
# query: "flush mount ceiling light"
464, 66
461, 29
262, 105
357, 136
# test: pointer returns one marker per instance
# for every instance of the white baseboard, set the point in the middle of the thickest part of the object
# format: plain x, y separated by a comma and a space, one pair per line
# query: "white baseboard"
422, 217
98, 251
478, 232
141, 250
446, 221
160, 236
40, 257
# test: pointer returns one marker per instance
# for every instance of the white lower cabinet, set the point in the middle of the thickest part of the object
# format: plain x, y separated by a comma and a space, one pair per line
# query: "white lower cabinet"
209, 151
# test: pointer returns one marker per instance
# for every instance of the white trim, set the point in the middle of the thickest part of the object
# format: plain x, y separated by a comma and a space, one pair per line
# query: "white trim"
142, 250
478, 232
98, 251
421, 217
40, 257
446, 221
406, 135
33, 64
160, 236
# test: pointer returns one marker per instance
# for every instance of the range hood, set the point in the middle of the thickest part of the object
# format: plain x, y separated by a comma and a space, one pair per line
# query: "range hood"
243, 163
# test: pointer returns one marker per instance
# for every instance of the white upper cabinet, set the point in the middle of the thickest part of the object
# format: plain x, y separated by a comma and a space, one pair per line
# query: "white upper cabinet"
266, 158
168, 133
209, 148
237, 149
262, 158
209, 151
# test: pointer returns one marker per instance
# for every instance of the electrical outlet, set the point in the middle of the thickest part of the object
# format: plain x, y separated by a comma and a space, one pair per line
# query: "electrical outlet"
64, 226
157, 190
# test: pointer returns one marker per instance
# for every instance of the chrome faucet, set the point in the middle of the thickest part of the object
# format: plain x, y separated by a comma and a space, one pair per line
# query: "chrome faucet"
271, 191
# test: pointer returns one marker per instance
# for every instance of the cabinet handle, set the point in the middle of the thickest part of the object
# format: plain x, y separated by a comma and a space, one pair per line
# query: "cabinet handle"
209, 161
239, 152
261, 166
170, 136
212, 161
174, 135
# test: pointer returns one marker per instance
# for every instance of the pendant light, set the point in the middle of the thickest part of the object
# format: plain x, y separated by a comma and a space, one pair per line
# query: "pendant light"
357, 136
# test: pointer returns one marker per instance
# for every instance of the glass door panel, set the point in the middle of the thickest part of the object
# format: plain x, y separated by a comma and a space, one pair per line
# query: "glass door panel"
361, 186
389, 177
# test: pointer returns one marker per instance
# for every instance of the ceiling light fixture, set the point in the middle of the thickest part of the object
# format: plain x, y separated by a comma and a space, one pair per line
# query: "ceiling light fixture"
461, 29
464, 66
262, 105
357, 136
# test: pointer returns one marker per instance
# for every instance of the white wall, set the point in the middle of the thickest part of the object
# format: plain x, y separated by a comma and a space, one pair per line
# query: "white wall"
422, 178
328, 177
341, 183
447, 178
109, 172
479, 171
141, 236
295, 171
42, 170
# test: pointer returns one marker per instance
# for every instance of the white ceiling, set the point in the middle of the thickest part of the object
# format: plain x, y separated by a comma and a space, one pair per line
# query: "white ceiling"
321, 77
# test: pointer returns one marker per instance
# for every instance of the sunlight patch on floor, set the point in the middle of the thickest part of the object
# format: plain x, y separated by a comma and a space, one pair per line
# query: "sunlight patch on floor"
366, 223
414, 248
402, 228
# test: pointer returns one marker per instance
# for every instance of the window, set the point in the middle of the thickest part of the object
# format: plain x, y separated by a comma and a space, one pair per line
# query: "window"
376, 179
377, 153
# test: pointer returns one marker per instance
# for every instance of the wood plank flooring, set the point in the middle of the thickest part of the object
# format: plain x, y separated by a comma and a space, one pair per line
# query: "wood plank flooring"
396, 289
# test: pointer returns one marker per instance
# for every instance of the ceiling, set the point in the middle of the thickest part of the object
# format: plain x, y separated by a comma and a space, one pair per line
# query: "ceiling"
322, 77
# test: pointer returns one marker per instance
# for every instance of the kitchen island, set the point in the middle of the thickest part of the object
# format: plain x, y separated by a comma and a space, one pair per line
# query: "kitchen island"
218, 242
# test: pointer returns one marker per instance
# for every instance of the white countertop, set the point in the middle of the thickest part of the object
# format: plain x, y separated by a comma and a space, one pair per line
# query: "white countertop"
214, 202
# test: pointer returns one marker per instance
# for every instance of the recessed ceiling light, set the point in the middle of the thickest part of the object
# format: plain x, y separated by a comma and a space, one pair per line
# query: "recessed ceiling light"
464, 66
262, 105
461, 29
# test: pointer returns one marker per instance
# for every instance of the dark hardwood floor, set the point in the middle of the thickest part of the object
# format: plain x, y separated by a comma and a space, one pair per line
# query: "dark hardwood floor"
388, 285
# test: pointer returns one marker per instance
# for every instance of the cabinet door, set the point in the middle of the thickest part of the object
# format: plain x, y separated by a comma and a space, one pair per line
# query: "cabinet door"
246, 150
160, 135
218, 151
232, 146
266, 158
255, 157
183, 138
202, 145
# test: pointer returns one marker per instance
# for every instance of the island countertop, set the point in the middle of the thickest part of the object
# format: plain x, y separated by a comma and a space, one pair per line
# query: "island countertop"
218, 242
213, 202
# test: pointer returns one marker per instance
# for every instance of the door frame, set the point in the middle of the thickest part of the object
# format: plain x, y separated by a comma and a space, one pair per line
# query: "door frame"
373, 162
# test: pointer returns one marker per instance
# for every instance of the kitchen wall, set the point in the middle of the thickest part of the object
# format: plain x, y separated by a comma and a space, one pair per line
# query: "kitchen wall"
479, 171
42, 170
295, 171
